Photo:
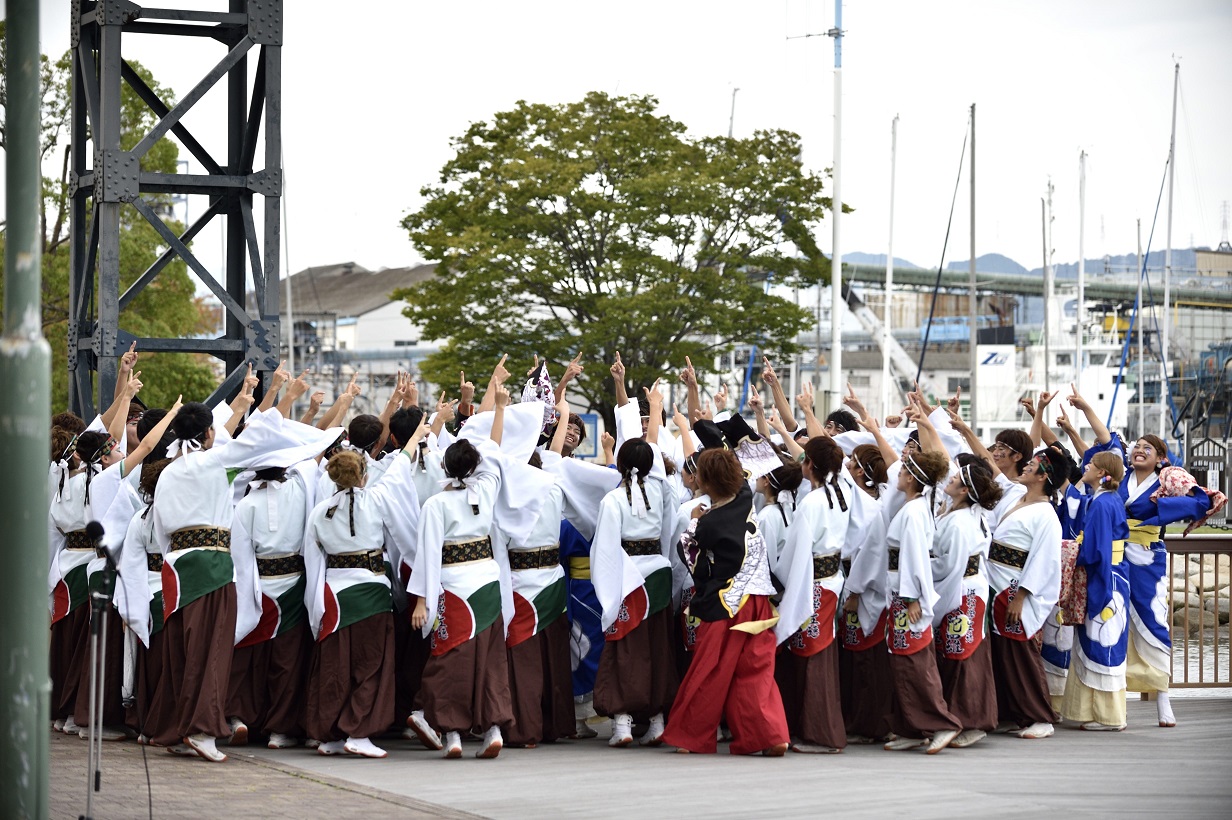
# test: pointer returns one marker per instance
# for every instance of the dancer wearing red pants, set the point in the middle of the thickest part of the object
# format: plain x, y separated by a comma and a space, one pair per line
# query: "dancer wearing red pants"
732, 673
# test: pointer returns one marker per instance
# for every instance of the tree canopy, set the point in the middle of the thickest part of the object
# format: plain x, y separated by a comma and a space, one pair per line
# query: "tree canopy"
168, 307
601, 226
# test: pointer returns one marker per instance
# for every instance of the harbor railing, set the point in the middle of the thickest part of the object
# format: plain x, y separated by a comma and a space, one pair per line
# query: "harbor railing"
1200, 581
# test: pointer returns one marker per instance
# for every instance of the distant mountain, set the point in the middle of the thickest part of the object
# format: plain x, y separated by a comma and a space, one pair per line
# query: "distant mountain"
875, 259
1185, 260
989, 263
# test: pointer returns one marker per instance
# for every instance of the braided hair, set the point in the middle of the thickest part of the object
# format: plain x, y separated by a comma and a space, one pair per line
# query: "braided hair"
347, 470
785, 479
90, 446
634, 461
460, 461
825, 459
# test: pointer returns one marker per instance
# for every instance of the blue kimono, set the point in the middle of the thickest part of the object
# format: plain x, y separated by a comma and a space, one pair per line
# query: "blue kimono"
1104, 639
1146, 562
586, 638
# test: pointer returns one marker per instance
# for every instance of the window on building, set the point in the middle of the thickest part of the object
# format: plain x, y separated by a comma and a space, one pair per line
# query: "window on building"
859, 380
1065, 358
959, 382
405, 342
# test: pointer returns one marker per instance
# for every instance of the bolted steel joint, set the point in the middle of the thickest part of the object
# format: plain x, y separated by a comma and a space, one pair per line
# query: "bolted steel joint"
116, 176
117, 12
262, 342
265, 22
266, 183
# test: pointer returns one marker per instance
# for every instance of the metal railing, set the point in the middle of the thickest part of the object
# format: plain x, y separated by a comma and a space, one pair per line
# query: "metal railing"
1200, 574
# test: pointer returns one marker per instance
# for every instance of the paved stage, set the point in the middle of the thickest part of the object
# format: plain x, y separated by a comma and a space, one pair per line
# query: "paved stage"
1144, 771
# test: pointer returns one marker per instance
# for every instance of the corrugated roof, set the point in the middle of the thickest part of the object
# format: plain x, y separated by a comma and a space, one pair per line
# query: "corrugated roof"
347, 289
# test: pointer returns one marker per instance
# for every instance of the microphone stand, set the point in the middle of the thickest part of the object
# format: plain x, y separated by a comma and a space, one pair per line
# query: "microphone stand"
100, 604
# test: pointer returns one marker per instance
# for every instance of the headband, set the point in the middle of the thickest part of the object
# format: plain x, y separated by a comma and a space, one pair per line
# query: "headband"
965, 476
917, 472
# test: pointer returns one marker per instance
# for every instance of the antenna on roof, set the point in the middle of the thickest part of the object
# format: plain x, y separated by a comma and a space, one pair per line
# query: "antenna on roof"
1223, 229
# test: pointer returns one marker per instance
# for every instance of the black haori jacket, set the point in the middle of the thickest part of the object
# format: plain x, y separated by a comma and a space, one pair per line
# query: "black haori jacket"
727, 557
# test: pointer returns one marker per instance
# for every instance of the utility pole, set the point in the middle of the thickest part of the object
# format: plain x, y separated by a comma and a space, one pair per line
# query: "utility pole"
836, 258
731, 121
25, 409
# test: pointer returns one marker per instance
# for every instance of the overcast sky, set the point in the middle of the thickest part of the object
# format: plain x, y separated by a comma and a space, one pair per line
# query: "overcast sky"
373, 91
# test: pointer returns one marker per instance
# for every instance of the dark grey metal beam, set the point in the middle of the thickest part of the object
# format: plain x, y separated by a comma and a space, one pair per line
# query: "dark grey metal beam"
105, 178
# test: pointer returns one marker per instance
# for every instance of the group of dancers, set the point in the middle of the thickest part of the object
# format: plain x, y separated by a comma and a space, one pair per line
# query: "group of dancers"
457, 573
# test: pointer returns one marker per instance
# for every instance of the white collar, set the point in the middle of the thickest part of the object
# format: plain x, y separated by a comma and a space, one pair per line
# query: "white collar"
1135, 489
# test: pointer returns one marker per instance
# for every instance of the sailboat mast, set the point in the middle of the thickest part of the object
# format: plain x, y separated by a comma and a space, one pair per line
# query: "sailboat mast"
974, 300
1141, 348
1046, 211
889, 281
1166, 389
1081, 315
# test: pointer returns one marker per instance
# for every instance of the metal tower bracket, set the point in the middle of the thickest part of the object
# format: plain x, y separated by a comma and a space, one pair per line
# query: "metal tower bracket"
106, 178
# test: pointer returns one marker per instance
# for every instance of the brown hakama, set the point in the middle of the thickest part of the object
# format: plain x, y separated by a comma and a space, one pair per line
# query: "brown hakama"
541, 686
919, 708
809, 686
868, 691
637, 674
410, 654
198, 641
269, 682
1022, 688
111, 645
968, 688
467, 688
351, 687
141, 716
70, 653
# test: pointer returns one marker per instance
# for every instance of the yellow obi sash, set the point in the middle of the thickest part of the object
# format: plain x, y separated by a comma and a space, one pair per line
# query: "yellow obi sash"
1143, 535
1118, 548
579, 568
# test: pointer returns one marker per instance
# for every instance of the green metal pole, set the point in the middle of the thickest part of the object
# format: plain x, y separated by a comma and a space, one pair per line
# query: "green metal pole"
25, 412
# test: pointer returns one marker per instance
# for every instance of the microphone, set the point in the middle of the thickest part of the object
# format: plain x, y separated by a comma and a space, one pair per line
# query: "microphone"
94, 531
106, 587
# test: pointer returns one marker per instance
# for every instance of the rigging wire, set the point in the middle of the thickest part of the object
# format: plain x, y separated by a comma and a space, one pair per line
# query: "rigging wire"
932, 309
1129, 335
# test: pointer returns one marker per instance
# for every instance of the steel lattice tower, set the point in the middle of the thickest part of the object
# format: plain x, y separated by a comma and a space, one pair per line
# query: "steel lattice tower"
107, 177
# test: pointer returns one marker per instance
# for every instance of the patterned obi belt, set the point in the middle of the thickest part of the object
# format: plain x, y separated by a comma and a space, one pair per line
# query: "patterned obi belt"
371, 560
538, 558
291, 563
459, 552
1008, 555
78, 540
647, 546
154, 562
893, 559
973, 566
212, 538
1144, 535
825, 565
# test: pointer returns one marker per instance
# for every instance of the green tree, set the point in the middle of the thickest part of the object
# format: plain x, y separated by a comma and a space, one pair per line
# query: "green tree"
168, 307
600, 226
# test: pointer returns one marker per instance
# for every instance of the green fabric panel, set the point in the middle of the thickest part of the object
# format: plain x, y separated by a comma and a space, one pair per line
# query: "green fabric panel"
485, 603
